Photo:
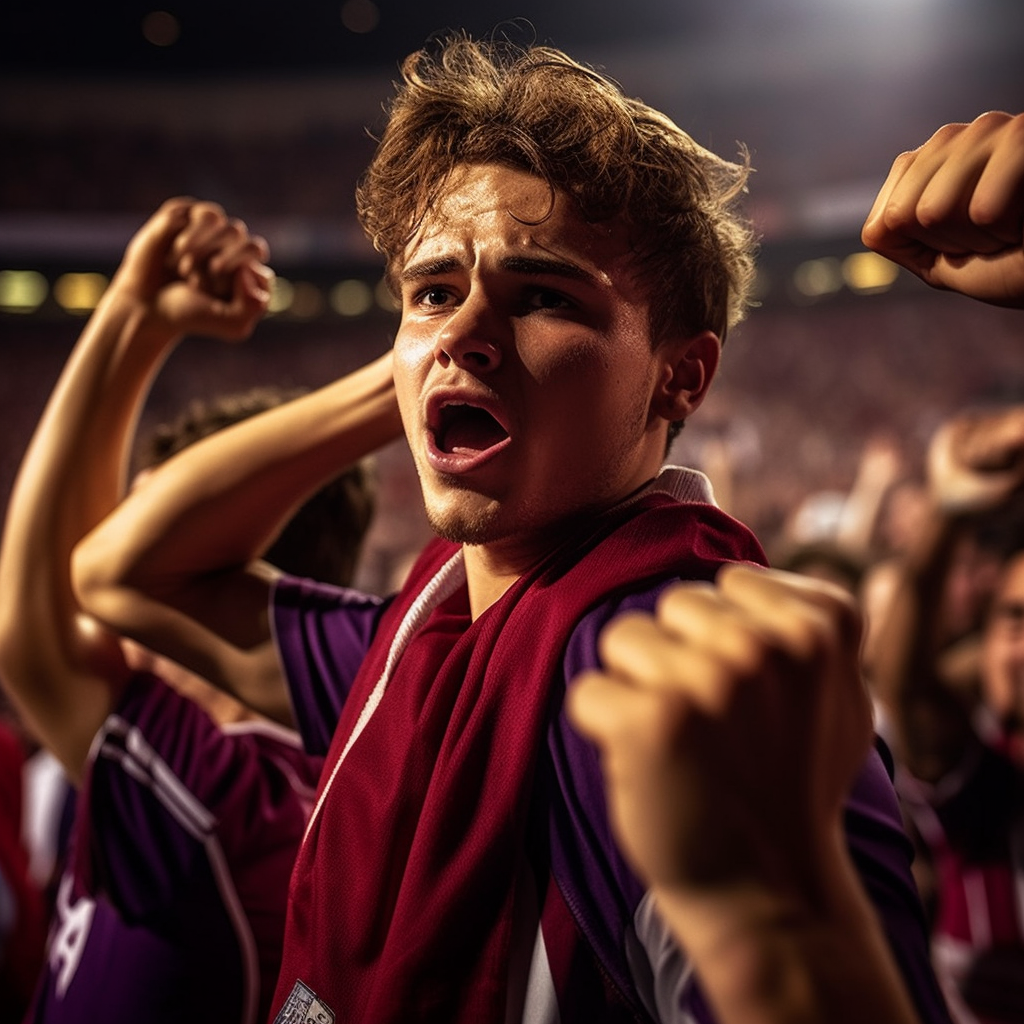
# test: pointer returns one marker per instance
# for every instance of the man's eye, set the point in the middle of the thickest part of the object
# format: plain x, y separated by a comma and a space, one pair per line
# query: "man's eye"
544, 298
434, 296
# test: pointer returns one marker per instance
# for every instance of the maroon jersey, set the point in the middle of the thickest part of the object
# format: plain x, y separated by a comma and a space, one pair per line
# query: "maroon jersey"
171, 906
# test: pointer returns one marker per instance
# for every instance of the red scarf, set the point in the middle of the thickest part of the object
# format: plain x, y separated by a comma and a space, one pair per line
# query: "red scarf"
403, 890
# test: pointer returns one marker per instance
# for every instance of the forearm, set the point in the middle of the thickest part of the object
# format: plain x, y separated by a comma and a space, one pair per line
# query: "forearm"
764, 958
189, 538
905, 668
861, 511
62, 671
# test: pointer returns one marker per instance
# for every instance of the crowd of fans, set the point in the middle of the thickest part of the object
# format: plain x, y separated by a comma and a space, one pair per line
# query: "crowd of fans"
92, 169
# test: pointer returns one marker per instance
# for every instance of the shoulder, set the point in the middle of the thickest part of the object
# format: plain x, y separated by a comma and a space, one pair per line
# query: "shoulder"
581, 650
173, 804
159, 757
296, 594
322, 634
300, 608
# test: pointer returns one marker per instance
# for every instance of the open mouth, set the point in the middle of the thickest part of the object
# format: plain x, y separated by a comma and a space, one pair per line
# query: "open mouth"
467, 430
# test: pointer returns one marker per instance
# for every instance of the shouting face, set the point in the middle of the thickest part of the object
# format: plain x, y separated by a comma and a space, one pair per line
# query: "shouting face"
524, 366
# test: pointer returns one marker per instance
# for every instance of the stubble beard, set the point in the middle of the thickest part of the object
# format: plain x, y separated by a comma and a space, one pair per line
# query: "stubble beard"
491, 522
464, 516
463, 527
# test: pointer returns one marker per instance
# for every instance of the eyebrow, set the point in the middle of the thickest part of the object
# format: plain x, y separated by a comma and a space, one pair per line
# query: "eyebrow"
539, 266
429, 268
533, 266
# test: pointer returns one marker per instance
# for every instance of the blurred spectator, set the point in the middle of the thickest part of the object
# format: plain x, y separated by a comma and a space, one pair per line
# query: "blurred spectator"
322, 540
825, 561
960, 746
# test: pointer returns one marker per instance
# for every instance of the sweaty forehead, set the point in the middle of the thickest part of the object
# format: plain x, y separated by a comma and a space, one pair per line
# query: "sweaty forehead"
491, 206
479, 189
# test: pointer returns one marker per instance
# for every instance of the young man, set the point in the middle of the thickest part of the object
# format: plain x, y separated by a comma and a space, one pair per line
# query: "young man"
190, 810
568, 263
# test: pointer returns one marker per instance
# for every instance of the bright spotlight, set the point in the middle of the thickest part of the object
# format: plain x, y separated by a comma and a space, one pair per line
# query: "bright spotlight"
79, 293
21, 291
281, 294
815, 278
351, 298
868, 273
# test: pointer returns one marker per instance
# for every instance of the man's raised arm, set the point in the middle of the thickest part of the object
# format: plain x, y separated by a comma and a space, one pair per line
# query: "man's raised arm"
732, 722
952, 210
731, 726
188, 270
176, 566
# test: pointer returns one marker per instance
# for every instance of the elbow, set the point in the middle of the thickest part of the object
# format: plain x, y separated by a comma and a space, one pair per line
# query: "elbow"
92, 579
107, 592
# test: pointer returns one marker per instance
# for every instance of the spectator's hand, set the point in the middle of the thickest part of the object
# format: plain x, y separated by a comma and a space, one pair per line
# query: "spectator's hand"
194, 270
976, 461
952, 211
881, 462
731, 725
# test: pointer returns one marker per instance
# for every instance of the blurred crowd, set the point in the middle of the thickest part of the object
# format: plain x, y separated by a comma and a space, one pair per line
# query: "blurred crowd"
110, 170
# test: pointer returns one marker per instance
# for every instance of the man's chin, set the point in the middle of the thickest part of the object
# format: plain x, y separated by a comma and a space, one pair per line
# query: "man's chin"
463, 528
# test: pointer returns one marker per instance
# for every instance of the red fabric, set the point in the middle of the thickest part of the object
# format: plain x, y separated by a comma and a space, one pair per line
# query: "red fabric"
402, 892
576, 969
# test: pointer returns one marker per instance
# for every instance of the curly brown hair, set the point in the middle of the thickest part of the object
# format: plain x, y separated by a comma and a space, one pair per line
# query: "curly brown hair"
538, 110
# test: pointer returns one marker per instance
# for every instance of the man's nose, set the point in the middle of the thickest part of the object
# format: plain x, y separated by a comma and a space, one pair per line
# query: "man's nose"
471, 337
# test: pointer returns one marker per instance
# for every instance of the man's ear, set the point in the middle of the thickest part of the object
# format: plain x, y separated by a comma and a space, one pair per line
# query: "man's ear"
687, 369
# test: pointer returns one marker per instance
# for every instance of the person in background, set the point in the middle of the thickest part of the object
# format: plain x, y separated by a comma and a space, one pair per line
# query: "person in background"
960, 748
323, 539
189, 807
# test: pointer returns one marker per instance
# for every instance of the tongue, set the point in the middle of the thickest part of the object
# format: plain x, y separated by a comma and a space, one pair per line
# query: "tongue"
472, 430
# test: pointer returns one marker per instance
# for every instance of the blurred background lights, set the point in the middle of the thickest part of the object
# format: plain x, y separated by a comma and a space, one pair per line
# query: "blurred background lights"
21, 291
161, 28
79, 293
307, 301
868, 273
816, 278
811, 280
386, 301
351, 298
360, 16
281, 294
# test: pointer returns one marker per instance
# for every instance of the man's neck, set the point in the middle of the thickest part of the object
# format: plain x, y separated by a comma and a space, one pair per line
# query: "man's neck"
494, 567
491, 568
485, 586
